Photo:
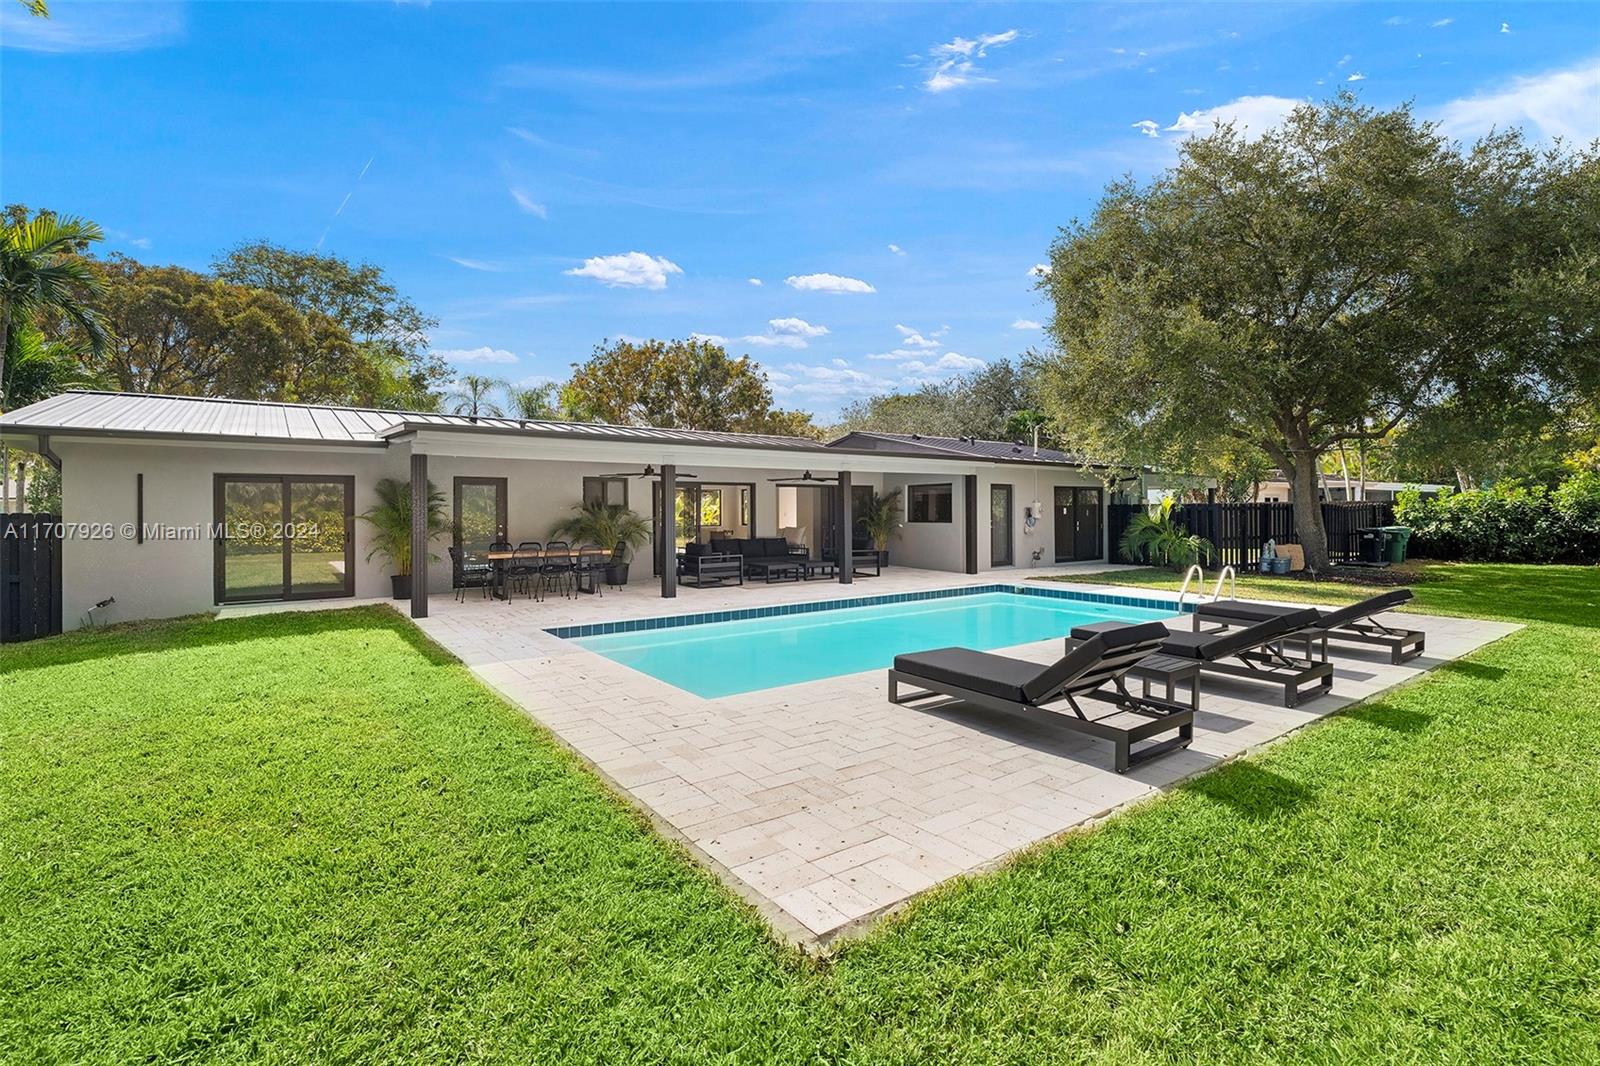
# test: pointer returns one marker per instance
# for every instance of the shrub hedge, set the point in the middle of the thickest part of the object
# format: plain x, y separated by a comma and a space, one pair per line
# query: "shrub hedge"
1507, 524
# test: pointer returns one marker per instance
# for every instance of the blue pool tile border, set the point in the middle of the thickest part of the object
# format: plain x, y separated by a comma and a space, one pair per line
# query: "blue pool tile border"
599, 629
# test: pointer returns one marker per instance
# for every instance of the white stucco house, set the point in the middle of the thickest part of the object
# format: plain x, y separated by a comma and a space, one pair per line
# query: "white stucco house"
149, 482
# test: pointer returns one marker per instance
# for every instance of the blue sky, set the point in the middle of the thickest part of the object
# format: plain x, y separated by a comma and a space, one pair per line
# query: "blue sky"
854, 196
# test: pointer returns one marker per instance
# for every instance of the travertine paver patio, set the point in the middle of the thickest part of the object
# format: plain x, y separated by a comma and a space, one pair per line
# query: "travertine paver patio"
824, 804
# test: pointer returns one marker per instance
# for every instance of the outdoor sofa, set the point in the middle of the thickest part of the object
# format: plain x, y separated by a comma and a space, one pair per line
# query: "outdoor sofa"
763, 557
1255, 652
1354, 624
699, 567
1001, 683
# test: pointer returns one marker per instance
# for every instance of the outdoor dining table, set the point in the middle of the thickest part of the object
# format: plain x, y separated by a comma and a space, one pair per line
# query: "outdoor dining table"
498, 560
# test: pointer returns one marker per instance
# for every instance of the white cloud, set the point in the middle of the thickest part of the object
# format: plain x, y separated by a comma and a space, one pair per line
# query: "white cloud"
754, 281
1396, 20
1148, 127
1357, 76
840, 362
709, 338
947, 364
528, 205
631, 269
484, 354
796, 327
1250, 115
954, 65
781, 333
92, 27
475, 264
913, 339
1026, 323
1562, 103
1440, 24
827, 283
896, 249
1505, 27
802, 381
1038, 270
139, 242
1344, 59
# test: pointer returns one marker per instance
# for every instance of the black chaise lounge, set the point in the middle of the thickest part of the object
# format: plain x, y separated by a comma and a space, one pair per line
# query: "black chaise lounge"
1254, 652
1006, 684
1354, 624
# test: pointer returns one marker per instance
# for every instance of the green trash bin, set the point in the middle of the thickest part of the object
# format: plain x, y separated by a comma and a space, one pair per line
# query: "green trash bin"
1399, 537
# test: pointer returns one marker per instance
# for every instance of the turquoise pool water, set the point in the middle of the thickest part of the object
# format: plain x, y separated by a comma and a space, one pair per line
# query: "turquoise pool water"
724, 658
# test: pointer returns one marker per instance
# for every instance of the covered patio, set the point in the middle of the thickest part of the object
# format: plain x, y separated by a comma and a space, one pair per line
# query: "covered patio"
511, 484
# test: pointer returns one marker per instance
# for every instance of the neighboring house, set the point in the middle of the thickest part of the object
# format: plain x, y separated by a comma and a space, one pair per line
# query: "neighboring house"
179, 467
1276, 490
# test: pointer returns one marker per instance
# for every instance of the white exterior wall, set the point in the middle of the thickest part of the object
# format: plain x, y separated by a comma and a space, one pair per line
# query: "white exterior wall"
165, 578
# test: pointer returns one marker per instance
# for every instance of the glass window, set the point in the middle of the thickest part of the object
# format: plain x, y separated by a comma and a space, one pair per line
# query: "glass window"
612, 491
744, 507
930, 503
711, 508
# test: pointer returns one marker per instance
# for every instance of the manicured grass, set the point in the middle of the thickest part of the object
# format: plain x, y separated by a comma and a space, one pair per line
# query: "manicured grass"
313, 836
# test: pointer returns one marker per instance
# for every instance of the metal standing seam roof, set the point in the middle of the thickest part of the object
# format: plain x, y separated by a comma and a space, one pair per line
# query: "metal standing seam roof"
114, 413
211, 418
976, 448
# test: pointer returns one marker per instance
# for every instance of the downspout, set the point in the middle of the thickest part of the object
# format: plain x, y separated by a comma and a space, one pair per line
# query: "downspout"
49, 456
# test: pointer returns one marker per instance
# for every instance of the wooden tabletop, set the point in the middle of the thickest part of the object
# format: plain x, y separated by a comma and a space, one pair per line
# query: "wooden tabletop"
546, 554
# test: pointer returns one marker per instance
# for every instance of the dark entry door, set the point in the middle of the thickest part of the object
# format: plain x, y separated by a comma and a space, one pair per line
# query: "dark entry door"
1078, 524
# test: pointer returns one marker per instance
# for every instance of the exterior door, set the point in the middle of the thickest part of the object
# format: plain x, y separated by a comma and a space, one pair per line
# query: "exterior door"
283, 537
1002, 519
480, 515
1078, 524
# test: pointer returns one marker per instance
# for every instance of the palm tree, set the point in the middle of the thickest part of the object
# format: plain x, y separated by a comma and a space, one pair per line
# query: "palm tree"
42, 273
533, 402
35, 369
473, 395
1157, 537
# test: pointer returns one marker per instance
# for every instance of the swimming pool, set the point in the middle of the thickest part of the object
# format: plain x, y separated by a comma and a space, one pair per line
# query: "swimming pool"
760, 650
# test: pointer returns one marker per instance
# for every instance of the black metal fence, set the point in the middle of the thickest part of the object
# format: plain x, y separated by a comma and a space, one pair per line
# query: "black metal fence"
1239, 530
30, 576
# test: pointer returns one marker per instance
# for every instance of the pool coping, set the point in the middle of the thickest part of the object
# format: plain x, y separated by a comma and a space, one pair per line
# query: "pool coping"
635, 625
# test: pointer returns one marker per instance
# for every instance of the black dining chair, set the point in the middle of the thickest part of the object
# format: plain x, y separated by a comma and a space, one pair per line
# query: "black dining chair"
470, 573
558, 568
524, 566
587, 564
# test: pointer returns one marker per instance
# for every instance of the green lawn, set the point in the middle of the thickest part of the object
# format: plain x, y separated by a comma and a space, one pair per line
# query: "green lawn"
314, 837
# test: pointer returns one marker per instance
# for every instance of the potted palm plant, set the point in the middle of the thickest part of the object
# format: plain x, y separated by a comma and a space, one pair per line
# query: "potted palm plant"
390, 519
605, 524
880, 517
1156, 537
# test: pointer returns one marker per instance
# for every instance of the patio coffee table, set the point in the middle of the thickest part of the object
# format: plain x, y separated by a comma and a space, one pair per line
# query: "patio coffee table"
776, 569
821, 568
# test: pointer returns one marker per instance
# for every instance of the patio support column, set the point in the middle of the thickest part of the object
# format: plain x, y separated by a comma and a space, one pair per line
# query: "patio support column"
419, 535
669, 534
847, 525
969, 489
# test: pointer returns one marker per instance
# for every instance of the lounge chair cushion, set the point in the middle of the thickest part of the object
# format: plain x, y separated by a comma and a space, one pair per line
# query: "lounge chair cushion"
1384, 601
993, 675
1209, 647
1100, 651
1244, 610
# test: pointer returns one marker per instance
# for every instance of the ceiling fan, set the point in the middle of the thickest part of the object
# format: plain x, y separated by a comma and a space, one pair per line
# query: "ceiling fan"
648, 471
807, 478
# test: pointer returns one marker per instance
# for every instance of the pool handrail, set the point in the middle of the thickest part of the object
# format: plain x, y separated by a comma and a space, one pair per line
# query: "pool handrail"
1194, 572
1232, 577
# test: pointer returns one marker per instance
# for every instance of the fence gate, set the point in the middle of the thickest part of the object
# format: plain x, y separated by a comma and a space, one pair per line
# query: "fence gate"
30, 576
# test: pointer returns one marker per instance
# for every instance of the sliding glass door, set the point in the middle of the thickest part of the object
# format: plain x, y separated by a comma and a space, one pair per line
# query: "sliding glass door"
283, 537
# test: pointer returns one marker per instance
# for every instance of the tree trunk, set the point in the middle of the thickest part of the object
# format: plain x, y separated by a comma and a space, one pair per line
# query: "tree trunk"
22, 484
1344, 468
1308, 509
1361, 464
5, 479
